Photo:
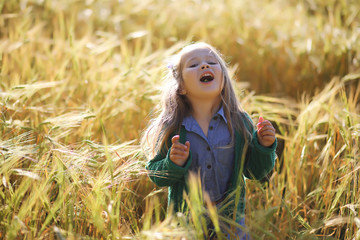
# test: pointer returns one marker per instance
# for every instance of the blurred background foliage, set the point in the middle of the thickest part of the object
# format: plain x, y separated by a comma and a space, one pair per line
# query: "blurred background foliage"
78, 80
281, 47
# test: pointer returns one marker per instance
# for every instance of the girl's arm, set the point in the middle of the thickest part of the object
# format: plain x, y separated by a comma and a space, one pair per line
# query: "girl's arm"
260, 159
163, 172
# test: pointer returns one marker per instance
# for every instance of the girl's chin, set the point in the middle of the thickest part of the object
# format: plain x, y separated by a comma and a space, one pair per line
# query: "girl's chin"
208, 94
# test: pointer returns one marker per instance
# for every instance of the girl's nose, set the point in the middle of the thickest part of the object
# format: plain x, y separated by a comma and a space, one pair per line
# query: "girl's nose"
205, 66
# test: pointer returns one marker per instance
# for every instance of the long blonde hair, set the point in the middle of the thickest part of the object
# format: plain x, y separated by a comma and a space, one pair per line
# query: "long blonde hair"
175, 106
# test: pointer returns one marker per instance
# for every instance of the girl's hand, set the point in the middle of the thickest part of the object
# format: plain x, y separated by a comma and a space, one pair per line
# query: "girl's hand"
265, 133
179, 152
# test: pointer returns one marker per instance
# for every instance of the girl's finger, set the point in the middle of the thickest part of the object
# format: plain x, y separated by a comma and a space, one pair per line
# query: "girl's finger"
187, 145
261, 119
264, 123
179, 146
267, 130
266, 137
175, 139
176, 157
266, 127
268, 141
177, 151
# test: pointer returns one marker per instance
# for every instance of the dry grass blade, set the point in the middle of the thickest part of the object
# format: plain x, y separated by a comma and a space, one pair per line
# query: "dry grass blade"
78, 80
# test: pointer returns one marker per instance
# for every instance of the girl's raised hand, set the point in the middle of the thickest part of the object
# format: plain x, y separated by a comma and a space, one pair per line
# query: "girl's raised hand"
265, 133
179, 152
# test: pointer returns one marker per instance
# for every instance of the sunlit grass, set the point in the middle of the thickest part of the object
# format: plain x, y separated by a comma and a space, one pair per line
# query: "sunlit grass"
78, 80
315, 184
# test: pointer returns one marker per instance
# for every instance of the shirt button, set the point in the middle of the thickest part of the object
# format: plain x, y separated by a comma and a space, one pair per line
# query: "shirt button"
208, 166
208, 148
211, 127
215, 118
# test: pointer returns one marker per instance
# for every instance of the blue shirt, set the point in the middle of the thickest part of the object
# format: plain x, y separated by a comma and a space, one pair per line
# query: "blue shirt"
211, 156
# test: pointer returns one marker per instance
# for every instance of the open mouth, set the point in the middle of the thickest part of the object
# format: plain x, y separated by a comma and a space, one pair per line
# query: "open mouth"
207, 77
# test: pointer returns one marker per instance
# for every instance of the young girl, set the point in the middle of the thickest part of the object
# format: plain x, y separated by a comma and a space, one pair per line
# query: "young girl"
202, 128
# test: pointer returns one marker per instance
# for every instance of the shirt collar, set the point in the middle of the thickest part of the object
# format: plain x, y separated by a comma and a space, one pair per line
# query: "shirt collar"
221, 113
189, 121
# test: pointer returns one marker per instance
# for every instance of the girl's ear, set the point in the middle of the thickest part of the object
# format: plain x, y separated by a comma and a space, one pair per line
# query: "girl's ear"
182, 91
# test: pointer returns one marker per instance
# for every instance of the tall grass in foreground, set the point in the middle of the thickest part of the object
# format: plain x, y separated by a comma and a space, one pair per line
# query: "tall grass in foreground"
315, 187
101, 190
79, 78
313, 192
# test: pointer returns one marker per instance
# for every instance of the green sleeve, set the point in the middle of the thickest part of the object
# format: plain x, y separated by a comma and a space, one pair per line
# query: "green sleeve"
163, 172
260, 160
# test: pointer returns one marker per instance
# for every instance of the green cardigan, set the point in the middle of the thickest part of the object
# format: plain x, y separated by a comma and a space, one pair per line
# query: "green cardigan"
255, 164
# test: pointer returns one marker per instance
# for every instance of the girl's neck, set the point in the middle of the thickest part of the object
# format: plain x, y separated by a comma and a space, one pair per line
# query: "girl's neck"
204, 110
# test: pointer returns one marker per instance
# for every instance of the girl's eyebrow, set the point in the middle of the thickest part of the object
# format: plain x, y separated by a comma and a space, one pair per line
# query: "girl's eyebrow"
196, 57
193, 58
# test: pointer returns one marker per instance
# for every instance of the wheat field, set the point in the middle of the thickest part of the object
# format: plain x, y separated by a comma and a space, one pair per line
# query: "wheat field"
79, 80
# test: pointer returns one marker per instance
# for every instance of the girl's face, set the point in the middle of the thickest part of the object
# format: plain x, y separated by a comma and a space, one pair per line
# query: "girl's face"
202, 74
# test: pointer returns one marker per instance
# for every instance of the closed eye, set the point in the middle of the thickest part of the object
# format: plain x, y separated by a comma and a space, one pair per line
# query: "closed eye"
193, 65
212, 63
